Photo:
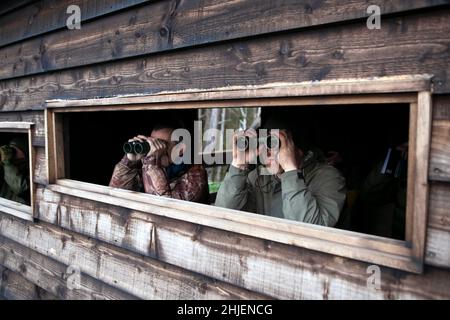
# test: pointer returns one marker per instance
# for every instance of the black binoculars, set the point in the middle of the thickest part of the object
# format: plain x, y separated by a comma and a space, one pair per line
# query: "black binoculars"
136, 147
270, 141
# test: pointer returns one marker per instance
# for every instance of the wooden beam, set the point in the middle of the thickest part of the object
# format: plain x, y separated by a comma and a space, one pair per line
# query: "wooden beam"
161, 26
141, 276
276, 58
384, 251
421, 158
313, 92
52, 276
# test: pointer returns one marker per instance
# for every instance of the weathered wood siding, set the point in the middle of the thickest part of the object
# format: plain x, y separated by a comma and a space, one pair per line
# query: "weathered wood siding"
134, 47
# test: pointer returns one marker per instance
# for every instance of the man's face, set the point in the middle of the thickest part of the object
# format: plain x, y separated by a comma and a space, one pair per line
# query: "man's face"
165, 135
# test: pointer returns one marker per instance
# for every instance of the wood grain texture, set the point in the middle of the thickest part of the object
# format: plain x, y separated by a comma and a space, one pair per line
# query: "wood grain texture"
259, 265
167, 25
43, 16
15, 287
52, 276
440, 151
11, 5
141, 276
438, 234
414, 44
36, 117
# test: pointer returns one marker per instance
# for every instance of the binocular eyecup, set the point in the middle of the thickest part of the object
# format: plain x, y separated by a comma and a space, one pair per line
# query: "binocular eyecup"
136, 147
270, 141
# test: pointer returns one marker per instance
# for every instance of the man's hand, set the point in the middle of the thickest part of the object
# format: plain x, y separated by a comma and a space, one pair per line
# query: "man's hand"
287, 156
6, 153
242, 158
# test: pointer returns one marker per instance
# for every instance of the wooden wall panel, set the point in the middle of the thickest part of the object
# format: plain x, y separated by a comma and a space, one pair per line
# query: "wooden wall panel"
438, 233
439, 168
15, 287
36, 117
413, 44
138, 275
11, 5
166, 25
48, 15
278, 270
53, 276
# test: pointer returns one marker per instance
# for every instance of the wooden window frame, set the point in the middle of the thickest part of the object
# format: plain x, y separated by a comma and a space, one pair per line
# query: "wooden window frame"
415, 90
12, 207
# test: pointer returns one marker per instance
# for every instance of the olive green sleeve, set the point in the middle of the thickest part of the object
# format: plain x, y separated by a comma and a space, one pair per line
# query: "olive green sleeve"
17, 181
319, 203
233, 192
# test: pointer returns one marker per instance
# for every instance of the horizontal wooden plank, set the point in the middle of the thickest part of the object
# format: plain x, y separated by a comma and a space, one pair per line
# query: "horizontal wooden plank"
167, 25
439, 168
52, 276
48, 15
18, 125
268, 267
11, 5
369, 248
36, 117
308, 91
138, 275
13, 286
414, 44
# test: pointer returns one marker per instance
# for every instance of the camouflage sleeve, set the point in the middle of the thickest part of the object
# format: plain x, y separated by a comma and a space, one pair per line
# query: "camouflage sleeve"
126, 175
190, 186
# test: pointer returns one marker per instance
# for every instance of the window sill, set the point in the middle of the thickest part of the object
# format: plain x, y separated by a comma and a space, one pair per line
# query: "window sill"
368, 248
16, 209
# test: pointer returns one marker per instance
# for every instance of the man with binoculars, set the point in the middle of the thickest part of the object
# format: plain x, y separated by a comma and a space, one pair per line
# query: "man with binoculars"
147, 166
14, 171
290, 181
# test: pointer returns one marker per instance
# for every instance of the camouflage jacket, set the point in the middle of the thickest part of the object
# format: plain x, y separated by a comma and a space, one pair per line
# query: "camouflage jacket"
149, 176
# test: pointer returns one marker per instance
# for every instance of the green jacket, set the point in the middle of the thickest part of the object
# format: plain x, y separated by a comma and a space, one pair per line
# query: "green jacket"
14, 182
317, 198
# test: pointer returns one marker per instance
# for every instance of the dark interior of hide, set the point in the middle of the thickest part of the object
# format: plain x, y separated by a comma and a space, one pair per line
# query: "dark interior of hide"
6, 137
360, 133
95, 139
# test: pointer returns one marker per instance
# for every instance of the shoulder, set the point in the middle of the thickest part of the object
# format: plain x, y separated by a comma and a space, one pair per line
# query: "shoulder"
326, 172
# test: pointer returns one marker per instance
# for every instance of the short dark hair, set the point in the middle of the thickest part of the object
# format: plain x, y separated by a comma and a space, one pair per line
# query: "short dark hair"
173, 125
294, 126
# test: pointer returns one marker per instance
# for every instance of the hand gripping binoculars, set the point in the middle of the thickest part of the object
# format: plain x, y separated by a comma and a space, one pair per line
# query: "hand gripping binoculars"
136, 147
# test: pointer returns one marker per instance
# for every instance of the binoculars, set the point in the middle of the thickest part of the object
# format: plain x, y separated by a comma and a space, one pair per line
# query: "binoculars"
136, 147
270, 141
